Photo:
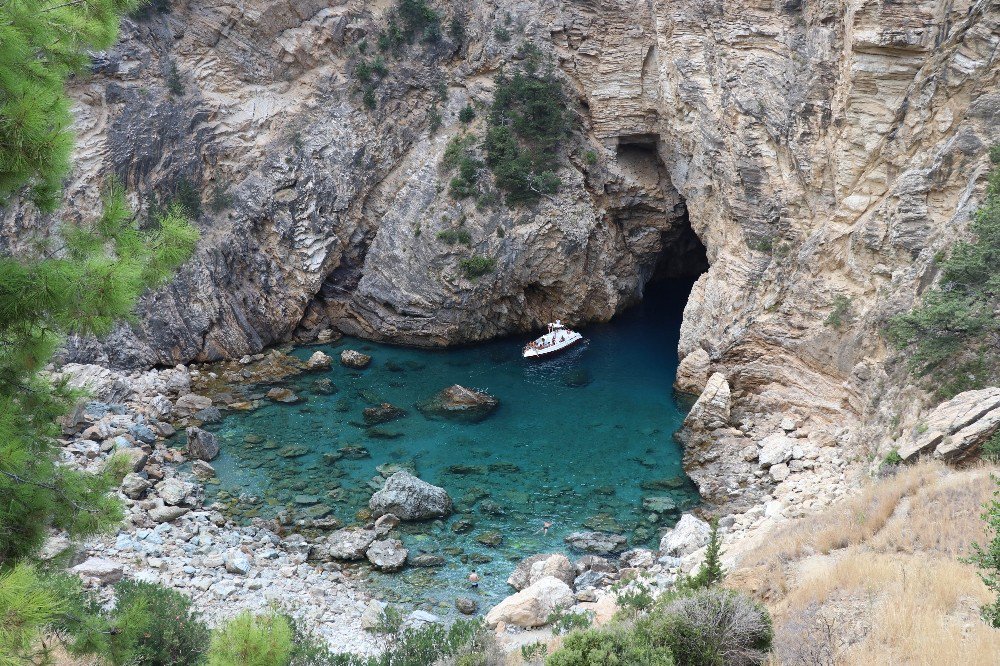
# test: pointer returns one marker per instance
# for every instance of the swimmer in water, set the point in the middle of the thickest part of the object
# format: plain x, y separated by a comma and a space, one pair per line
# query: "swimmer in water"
474, 579
544, 529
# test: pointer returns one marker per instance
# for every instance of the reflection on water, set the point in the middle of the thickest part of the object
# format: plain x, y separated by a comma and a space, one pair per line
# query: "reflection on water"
582, 440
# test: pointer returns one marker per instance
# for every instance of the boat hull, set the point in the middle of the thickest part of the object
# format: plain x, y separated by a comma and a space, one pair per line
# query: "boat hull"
539, 354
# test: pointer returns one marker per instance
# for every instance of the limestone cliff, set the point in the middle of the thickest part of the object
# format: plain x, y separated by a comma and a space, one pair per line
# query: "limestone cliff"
822, 152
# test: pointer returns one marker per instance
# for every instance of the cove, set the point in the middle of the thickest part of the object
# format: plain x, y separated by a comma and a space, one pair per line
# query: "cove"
582, 441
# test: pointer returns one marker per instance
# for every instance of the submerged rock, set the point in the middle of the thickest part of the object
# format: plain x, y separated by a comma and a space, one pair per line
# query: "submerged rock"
532, 606
354, 359
383, 413
324, 386
466, 605
284, 395
602, 543
410, 498
458, 403
202, 444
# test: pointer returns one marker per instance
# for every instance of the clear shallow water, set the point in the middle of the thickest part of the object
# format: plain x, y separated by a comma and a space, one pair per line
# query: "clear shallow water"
579, 441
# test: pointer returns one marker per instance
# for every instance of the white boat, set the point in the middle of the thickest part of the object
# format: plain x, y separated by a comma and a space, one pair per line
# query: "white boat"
557, 339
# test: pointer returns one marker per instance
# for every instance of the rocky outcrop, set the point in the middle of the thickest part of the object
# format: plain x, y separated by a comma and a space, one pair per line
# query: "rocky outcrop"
687, 536
387, 555
955, 430
202, 444
600, 543
410, 498
532, 606
532, 569
712, 409
350, 543
458, 403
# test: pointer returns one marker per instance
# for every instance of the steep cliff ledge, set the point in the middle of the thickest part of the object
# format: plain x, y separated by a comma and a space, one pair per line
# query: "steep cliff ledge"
820, 153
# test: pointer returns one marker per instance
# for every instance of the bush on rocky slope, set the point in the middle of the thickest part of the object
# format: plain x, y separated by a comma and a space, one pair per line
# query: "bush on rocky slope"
953, 336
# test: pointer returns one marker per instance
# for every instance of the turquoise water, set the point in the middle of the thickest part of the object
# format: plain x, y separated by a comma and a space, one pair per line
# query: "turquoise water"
578, 441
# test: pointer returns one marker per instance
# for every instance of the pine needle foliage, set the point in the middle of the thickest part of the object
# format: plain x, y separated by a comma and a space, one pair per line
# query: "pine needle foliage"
526, 125
27, 608
43, 43
953, 336
987, 558
93, 281
249, 640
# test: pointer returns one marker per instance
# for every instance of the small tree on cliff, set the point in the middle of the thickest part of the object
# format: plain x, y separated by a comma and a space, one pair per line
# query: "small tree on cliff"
987, 558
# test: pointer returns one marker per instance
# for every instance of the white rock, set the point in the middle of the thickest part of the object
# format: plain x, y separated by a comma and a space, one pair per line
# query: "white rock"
779, 472
532, 606
237, 563
775, 448
690, 534
104, 570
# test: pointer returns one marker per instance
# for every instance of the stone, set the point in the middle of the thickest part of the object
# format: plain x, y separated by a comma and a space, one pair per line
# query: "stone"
779, 472
174, 491
690, 534
787, 424
458, 403
135, 456
426, 560
324, 386
208, 415
532, 606
491, 538
532, 569
693, 372
354, 359
104, 570
775, 449
382, 413
659, 504
202, 470
167, 514
371, 618
387, 555
201, 444
638, 558
134, 486
385, 523
466, 605
319, 361
410, 498
420, 618
956, 429
191, 403
237, 563
712, 409
284, 395
601, 543
54, 546
349, 543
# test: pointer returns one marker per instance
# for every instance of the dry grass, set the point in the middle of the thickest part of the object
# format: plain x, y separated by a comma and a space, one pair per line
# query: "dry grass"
877, 579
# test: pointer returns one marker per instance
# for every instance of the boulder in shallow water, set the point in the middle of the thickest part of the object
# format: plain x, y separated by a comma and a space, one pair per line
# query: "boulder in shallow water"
387, 555
383, 413
602, 543
532, 606
466, 605
410, 498
319, 361
458, 403
354, 359
201, 444
532, 569
284, 395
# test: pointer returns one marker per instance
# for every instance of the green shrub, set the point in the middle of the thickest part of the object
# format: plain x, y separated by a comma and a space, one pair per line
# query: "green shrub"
467, 114
419, 20
838, 316
952, 337
563, 622
476, 267
369, 99
892, 458
464, 184
363, 70
634, 600
155, 626
762, 244
590, 157
27, 609
987, 557
615, 646
456, 148
711, 571
502, 33
248, 640
174, 83
457, 29
525, 127
453, 236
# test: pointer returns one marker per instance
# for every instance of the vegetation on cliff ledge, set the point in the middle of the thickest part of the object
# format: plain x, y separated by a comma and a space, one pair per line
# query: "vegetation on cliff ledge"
953, 336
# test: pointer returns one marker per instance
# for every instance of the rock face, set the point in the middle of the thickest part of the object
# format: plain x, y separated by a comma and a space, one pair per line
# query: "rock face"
458, 403
532, 606
956, 429
814, 154
712, 409
410, 498
202, 444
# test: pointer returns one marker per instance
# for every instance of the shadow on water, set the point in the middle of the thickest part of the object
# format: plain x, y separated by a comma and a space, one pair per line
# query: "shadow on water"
583, 441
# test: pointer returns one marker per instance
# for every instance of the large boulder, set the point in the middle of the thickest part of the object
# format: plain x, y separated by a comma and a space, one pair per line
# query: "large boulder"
410, 498
191, 403
319, 361
201, 444
601, 543
134, 486
532, 569
775, 449
712, 409
174, 491
349, 543
354, 359
956, 429
458, 403
687, 536
387, 554
532, 606
167, 514
383, 413
104, 570
692, 372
